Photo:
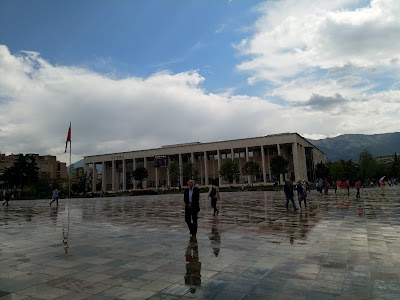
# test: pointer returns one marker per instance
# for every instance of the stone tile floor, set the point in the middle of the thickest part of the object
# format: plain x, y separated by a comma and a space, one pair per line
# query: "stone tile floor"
340, 247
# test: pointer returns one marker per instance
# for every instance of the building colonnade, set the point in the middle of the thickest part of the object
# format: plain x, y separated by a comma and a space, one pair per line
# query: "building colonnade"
207, 159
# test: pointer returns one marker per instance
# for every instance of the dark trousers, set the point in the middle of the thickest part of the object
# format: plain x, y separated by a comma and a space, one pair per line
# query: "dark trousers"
358, 193
214, 204
191, 219
55, 199
6, 199
290, 197
302, 198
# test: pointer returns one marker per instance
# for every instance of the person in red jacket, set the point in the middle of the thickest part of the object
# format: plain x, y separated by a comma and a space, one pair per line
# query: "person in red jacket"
358, 186
345, 186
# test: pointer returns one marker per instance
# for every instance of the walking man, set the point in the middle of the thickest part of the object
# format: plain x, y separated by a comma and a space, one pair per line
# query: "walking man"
55, 196
6, 196
213, 193
288, 189
191, 198
358, 186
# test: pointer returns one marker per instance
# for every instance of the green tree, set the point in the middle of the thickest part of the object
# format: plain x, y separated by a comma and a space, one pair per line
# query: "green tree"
174, 173
395, 167
251, 169
336, 171
189, 172
278, 165
368, 165
230, 171
84, 184
23, 172
350, 170
322, 170
140, 174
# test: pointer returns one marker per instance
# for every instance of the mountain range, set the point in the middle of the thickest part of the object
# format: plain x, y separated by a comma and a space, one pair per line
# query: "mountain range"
349, 146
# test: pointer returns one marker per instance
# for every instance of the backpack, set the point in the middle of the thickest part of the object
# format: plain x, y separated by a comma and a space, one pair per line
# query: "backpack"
213, 192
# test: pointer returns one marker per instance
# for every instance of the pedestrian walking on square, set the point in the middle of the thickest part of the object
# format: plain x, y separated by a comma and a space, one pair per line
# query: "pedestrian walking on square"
339, 186
358, 186
307, 186
55, 196
213, 193
382, 185
327, 185
6, 196
345, 186
288, 189
191, 197
300, 193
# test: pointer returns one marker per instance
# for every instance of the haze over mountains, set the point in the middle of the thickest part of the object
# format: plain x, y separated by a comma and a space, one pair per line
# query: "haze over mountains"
349, 146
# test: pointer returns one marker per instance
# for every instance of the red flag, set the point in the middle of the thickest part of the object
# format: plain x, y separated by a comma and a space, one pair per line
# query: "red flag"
68, 138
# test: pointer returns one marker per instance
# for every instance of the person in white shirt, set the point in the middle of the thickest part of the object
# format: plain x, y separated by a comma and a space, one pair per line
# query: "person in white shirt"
55, 196
213, 193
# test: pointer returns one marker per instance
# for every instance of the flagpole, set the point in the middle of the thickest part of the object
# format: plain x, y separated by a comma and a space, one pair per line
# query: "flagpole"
70, 146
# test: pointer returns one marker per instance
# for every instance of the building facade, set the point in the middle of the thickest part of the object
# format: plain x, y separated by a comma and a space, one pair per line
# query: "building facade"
49, 167
207, 158
385, 159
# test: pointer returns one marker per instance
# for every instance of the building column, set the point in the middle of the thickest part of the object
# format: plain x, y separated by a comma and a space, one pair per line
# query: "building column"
86, 168
205, 168
94, 178
123, 174
156, 178
302, 162
279, 153
304, 159
247, 160
144, 183
192, 161
113, 175
269, 165
219, 167
180, 170
134, 168
104, 176
168, 179
296, 165
263, 163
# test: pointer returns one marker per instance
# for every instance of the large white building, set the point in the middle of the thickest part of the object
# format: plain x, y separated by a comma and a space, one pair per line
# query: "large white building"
117, 168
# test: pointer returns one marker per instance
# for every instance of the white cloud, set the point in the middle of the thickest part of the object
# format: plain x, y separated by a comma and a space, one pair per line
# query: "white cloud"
293, 37
38, 100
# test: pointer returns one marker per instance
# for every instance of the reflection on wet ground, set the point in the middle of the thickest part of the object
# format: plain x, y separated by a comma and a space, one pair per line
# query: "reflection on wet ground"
340, 247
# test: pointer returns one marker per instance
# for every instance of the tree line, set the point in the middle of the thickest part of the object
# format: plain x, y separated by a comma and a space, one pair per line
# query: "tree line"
367, 169
23, 175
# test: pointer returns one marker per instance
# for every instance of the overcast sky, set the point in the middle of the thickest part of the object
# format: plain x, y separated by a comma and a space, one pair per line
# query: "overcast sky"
132, 75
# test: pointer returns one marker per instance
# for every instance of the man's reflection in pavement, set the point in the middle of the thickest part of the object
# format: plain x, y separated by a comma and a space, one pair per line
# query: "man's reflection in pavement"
193, 266
215, 238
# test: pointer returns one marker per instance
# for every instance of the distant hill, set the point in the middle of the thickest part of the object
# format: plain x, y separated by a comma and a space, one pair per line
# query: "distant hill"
349, 146
78, 164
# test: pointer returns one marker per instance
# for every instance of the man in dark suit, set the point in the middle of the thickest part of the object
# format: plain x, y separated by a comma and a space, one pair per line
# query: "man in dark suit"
192, 206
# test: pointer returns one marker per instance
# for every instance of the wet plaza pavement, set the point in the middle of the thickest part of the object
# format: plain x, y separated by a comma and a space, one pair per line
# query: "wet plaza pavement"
340, 247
